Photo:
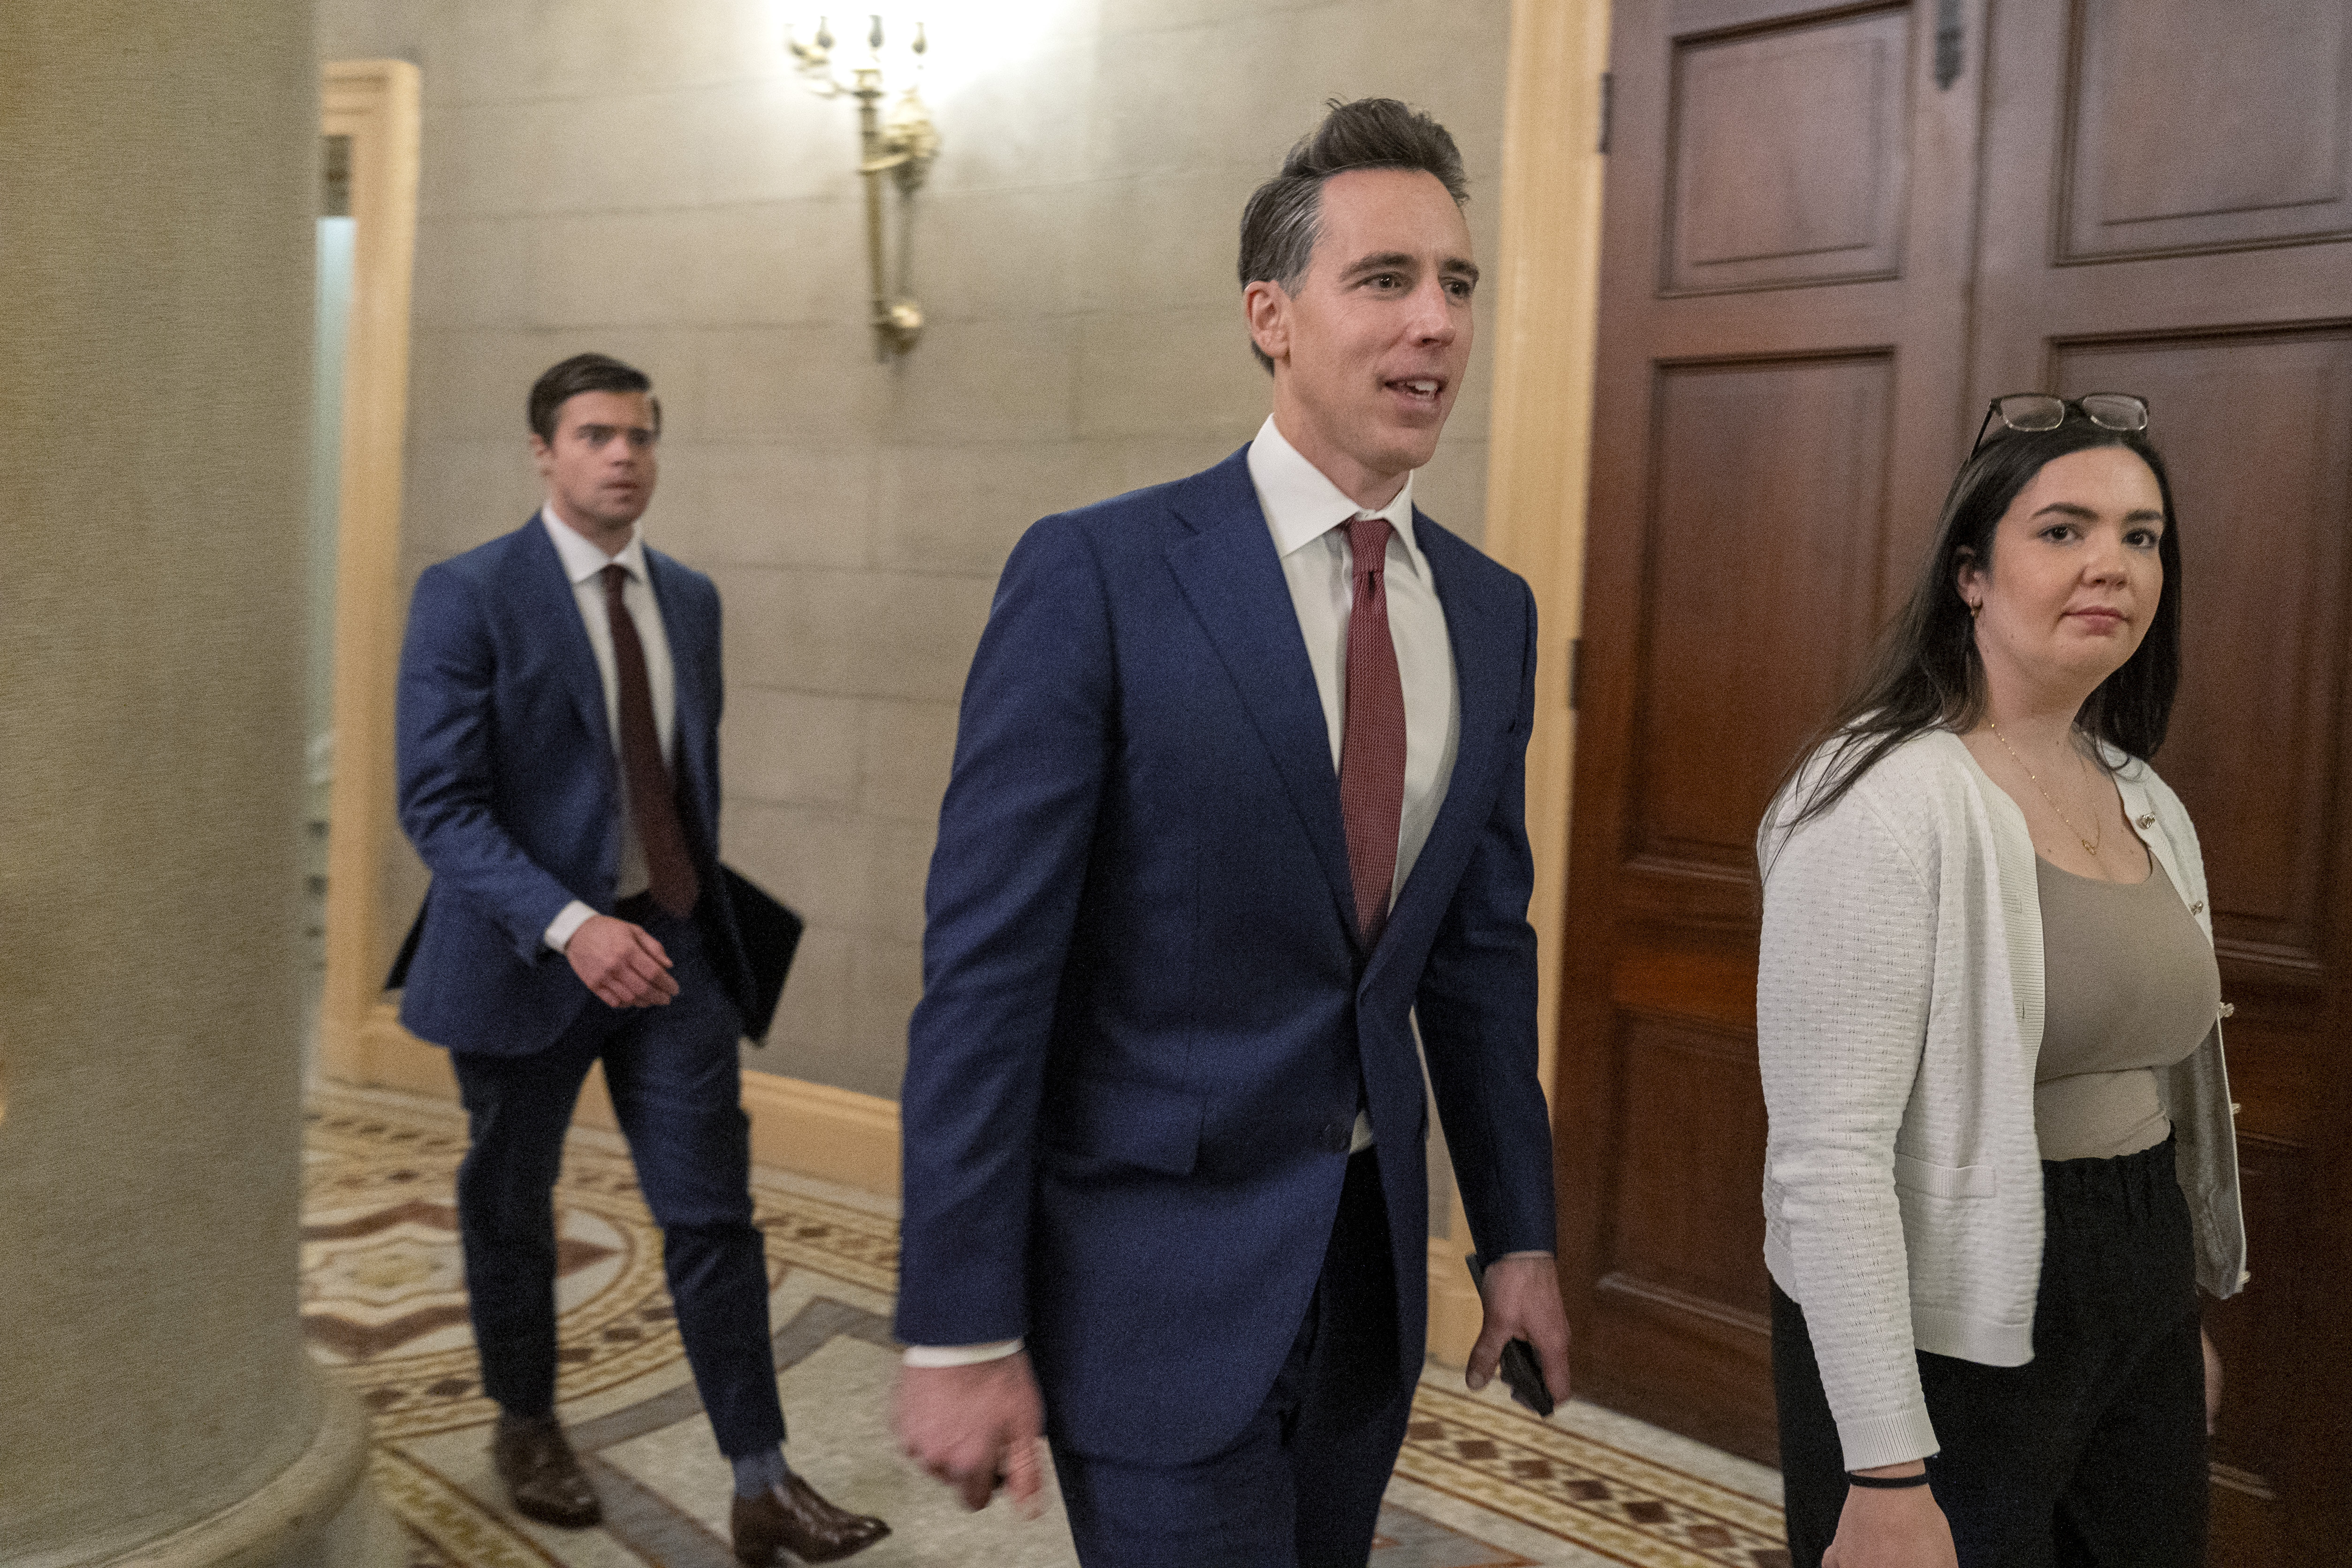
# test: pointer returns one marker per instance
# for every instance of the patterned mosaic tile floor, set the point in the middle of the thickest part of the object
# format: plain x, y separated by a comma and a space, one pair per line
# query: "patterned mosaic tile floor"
1481, 1484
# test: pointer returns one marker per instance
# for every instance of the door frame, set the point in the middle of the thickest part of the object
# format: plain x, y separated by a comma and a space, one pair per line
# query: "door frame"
376, 103
1546, 318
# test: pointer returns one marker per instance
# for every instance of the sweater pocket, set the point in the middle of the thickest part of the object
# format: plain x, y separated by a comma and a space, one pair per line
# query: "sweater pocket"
1945, 1181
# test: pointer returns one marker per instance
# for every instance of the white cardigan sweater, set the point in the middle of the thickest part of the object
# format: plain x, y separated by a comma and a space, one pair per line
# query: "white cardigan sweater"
1898, 1010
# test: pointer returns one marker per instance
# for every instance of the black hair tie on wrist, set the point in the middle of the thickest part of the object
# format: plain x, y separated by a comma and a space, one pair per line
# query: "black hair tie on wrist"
1886, 1483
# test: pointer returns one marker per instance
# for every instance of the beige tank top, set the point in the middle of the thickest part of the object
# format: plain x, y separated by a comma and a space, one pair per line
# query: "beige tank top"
2129, 985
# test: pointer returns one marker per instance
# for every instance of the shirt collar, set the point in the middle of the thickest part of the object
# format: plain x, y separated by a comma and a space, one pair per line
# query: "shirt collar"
1302, 504
582, 560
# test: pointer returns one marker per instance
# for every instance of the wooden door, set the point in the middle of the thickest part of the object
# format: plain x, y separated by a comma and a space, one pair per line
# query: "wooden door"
1800, 327
1785, 253
2168, 210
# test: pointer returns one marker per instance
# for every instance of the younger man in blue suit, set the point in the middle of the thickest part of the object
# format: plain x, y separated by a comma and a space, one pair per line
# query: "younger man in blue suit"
1238, 788
559, 773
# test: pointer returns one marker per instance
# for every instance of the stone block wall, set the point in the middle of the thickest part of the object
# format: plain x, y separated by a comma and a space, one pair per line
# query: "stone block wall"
651, 179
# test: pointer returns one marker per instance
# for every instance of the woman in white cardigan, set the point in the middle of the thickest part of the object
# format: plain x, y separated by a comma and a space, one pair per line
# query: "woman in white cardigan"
2000, 1158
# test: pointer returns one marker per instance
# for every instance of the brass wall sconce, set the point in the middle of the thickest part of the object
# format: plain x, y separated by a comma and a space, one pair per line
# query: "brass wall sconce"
896, 146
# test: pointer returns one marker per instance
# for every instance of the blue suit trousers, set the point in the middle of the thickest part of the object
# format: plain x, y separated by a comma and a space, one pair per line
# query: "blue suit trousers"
674, 1077
1301, 1487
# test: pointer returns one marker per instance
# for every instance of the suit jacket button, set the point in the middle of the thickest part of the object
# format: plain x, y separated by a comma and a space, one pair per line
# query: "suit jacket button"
1338, 1133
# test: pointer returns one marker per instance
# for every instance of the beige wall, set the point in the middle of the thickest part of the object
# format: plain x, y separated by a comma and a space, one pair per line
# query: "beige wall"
651, 179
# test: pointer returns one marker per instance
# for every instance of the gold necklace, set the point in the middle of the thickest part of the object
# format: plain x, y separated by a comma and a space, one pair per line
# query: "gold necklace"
2090, 846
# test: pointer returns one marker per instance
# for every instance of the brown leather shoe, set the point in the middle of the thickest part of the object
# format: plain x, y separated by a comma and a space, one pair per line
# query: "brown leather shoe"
792, 1518
542, 1474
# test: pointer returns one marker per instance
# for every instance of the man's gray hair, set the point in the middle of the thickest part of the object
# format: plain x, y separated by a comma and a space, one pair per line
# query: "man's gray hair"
1284, 214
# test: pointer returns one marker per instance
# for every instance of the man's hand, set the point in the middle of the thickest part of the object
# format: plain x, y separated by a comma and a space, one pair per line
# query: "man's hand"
973, 1426
624, 965
1522, 1301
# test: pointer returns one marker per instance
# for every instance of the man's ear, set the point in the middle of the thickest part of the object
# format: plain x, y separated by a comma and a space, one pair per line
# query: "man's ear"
1267, 309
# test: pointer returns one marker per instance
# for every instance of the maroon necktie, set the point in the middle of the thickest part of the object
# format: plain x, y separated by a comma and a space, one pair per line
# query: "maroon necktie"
674, 885
1371, 746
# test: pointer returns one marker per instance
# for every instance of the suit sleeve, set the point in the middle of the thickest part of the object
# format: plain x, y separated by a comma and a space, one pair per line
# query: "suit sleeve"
444, 716
1476, 1006
1032, 747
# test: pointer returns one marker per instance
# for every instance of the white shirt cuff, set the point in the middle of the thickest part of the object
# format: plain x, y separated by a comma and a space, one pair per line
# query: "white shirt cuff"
559, 929
961, 1355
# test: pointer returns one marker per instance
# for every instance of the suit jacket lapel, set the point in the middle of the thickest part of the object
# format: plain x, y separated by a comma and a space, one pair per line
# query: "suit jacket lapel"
1225, 564
1484, 700
544, 599
690, 719
683, 652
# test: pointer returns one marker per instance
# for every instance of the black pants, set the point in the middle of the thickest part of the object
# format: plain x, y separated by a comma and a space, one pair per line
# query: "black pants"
2092, 1455
677, 1088
1301, 1486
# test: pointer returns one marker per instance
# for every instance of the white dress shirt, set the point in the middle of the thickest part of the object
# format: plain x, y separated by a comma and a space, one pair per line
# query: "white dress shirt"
1304, 511
1307, 514
584, 563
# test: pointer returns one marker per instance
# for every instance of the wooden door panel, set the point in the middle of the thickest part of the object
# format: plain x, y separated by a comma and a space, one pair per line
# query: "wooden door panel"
2209, 291
1769, 476
1678, 1285
1705, 985
1782, 325
1684, 1227
1789, 154
2253, 1444
2195, 126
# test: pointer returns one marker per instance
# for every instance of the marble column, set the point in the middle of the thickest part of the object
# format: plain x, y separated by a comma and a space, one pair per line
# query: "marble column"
158, 185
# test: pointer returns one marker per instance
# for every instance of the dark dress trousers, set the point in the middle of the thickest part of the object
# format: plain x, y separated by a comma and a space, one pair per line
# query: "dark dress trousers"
1148, 1024
509, 789
2092, 1455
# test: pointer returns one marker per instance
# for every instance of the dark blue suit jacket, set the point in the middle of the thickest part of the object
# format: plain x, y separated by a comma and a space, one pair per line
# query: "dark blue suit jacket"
1135, 1065
511, 790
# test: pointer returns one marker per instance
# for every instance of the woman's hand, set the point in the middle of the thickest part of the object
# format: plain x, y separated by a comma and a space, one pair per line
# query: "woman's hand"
1884, 1528
2212, 1381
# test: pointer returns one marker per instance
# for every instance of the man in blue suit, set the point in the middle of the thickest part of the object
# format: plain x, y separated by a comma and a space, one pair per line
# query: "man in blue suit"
1238, 788
558, 710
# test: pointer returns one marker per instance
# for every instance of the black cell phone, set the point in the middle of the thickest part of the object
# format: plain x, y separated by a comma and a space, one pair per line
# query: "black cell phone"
1521, 1374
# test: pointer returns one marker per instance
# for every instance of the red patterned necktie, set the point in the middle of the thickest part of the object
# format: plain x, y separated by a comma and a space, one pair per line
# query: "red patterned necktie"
651, 803
1371, 746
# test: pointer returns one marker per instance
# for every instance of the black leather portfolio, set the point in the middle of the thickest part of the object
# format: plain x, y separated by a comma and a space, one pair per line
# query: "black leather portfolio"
771, 935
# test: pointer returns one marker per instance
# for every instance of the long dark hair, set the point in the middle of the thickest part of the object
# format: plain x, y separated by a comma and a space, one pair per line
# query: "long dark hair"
1927, 673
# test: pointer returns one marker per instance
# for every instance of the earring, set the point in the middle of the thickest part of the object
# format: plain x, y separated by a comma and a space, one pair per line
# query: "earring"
1976, 608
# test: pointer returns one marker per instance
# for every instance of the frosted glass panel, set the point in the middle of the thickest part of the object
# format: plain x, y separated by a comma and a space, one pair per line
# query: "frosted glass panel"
332, 331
